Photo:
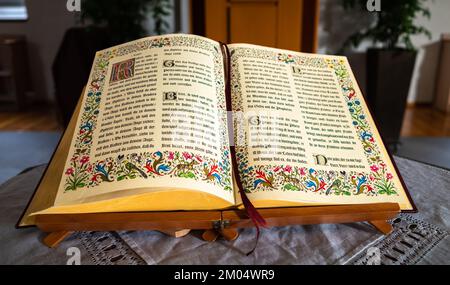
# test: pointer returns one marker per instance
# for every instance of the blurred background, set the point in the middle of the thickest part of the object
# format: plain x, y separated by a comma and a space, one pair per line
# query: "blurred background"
399, 51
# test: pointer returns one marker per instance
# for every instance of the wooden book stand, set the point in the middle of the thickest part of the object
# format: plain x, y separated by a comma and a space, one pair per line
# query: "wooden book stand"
214, 223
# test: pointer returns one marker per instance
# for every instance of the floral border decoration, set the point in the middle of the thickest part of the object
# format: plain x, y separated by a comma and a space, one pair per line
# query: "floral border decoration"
291, 178
82, 173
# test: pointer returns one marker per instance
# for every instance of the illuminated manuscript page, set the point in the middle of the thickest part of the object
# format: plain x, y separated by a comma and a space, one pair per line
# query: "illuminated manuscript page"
304, 133
153, 118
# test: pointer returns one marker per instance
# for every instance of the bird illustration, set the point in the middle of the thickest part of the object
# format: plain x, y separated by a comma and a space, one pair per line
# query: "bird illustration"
130, 167
335, 185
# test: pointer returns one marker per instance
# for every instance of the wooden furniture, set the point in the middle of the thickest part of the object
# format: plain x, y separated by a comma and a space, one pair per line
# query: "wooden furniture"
215, 223
14, 72
442, 99
286, 24
417, 120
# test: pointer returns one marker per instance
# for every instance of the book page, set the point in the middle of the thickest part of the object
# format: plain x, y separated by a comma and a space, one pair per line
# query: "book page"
304, 133
153, 117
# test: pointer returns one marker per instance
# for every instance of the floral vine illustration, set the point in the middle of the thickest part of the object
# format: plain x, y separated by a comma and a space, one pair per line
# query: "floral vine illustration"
148, 165
78, 173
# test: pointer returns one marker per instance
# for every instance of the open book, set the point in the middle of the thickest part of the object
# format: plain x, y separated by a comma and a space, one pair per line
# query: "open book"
152, 132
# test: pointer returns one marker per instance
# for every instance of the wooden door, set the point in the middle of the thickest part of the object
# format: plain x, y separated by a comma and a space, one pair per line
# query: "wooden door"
286, 24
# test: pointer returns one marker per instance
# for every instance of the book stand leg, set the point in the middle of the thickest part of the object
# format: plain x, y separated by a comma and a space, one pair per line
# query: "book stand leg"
213, 234
210, 235
383, 226
176, 233
53, 239
229, 234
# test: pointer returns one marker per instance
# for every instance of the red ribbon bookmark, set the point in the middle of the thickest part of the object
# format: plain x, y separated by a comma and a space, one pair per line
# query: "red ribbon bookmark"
252, 212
